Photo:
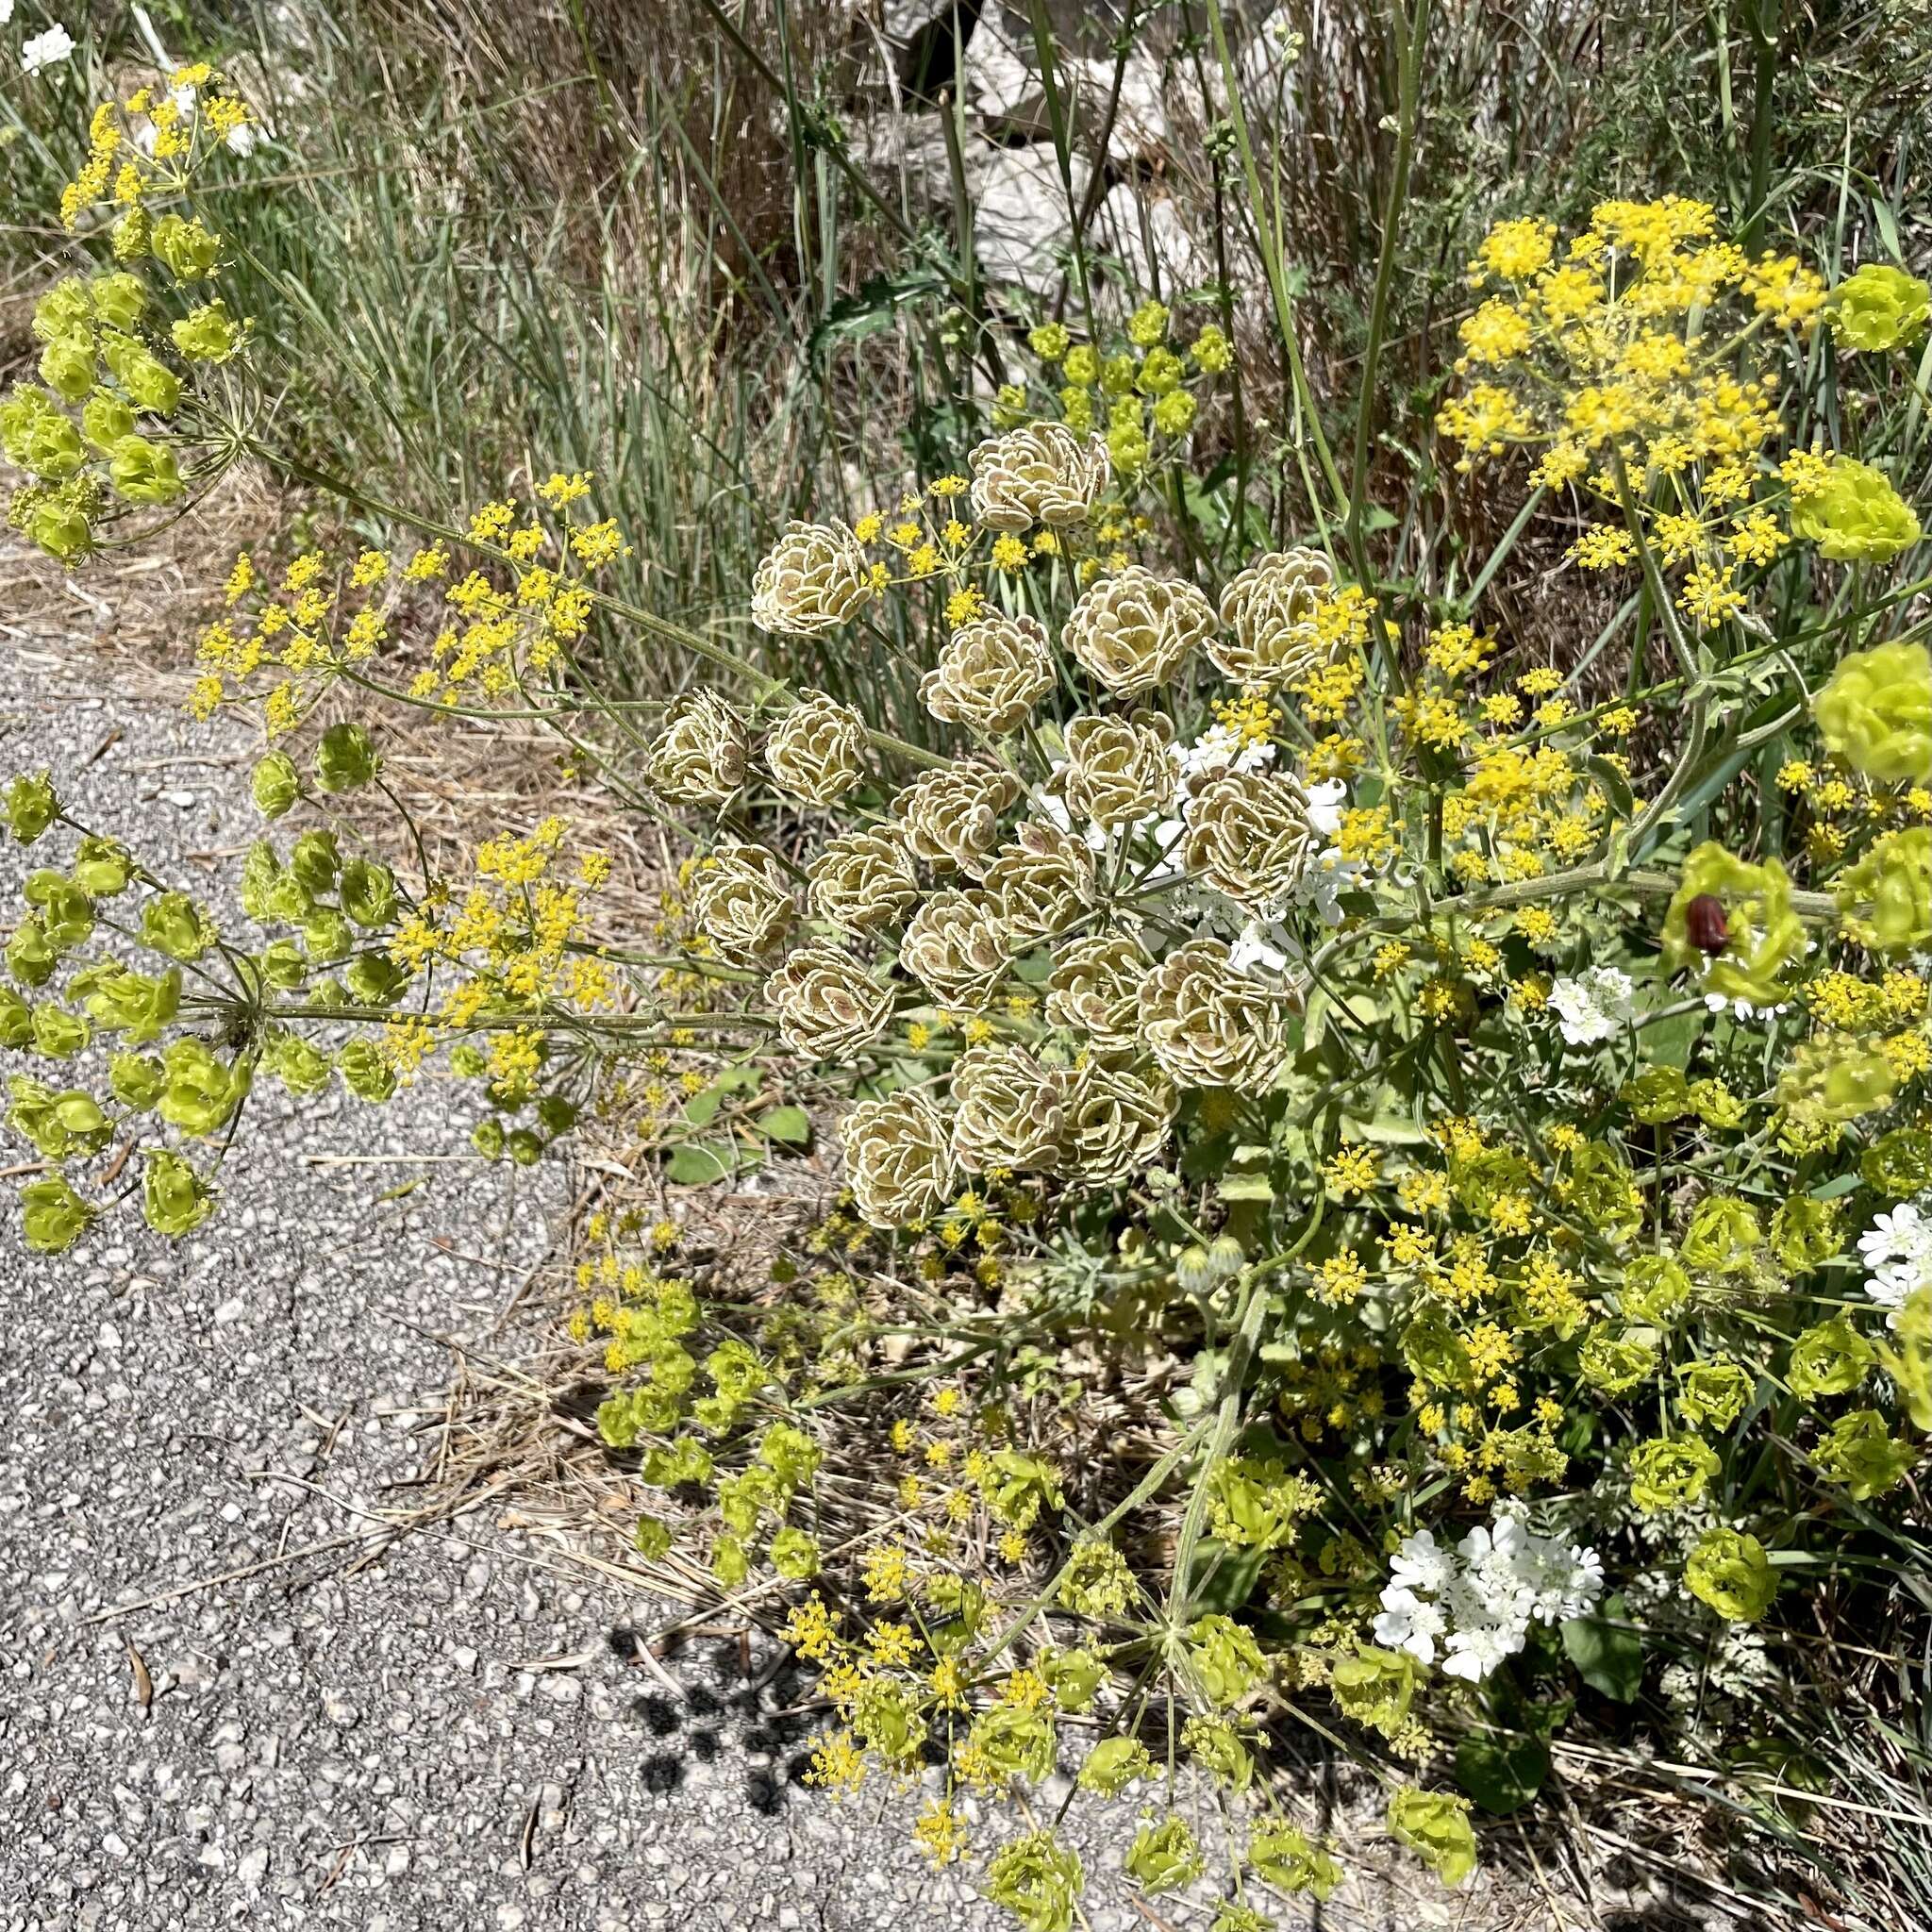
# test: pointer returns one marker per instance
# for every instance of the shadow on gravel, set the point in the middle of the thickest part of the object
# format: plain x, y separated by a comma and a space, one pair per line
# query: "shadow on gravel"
721, 1717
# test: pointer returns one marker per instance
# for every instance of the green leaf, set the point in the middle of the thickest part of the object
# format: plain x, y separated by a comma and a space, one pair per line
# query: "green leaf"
792, 1125
1607, 1653
1501, 1775
1246, 1187
702, 1108
1223, 1576
698, 1163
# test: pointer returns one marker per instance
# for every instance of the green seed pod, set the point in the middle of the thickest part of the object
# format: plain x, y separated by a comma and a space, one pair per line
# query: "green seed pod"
32, 805
67, 307
66, 911
120, 299
67, 367
526, 1149
30, 956
39, 438
302, 1067
101, 868
175, 1198
368, 893
374, 979
59, 522
364, 1071
143, 472
1164, 1857
52, 1215
485, 1136
283, 965
327, 934
202, 1091
185, 248
174, 924
1731, 1573
209, 334
138, 1080
16, 1021
105, 421
316, 861
129, 235
150, 384
345, 759
58, 1034
275, 784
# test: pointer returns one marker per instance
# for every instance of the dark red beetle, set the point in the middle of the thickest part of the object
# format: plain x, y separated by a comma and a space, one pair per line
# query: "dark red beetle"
1704, 921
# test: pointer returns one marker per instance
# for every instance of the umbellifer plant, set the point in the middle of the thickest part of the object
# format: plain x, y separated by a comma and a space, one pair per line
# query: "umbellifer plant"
1488, 1127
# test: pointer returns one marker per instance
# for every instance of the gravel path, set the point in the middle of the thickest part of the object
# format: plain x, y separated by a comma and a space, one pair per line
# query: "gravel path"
449, 1734
280, 1728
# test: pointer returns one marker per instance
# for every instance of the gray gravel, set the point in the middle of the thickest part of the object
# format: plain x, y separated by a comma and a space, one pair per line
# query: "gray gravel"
452, 1735
449, 1735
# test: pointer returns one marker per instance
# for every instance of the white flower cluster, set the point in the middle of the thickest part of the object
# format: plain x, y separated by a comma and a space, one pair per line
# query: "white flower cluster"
1481, 1597
1897, 1253
45, 49
1594, 1007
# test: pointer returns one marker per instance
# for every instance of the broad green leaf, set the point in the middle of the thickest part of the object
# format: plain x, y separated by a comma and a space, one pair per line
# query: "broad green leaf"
1501, 1775
1607, 1653
792, 1125
698, 1163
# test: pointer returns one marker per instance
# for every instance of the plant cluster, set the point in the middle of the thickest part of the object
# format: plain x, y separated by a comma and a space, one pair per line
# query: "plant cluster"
1494, 1121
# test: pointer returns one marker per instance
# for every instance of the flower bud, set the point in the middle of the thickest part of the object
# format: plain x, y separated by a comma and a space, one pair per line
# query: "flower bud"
1193, 1271
1228, 1257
